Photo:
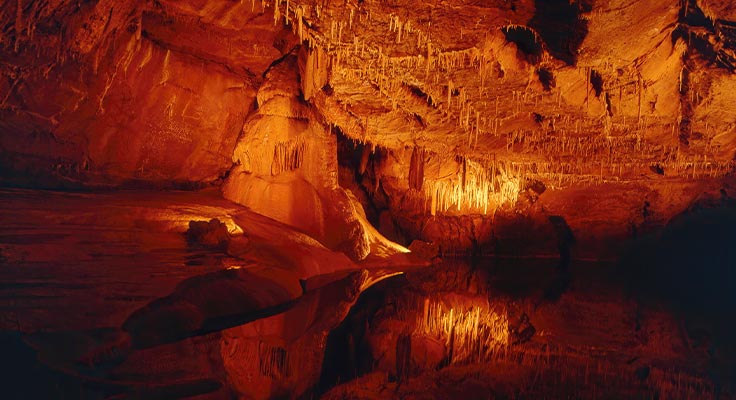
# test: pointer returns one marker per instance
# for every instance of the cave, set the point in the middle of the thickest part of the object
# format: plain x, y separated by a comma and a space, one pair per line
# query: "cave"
367, 199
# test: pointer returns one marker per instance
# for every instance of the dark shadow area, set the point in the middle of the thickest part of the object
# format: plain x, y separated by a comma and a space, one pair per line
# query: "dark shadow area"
690, 269
691, 264
526, 40
21, 372
205, 304
547, 78
692, 15
559, 24
357, 172
347, 355
596, 81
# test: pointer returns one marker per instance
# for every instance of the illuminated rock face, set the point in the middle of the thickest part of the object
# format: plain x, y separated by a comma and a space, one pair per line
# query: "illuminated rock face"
105, 92
285, 165
466, 110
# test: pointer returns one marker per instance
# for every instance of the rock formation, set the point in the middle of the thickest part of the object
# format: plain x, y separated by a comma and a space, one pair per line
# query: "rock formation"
339, 133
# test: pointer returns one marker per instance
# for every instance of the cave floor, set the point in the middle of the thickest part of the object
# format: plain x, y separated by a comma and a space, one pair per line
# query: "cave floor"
85, 277
102, 295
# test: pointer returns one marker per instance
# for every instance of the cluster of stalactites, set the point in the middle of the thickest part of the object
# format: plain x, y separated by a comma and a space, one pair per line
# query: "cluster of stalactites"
288, 156
273, 361
470, 332
480, 187
382, 70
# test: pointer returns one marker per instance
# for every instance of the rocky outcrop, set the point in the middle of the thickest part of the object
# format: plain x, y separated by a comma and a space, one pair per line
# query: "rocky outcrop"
105, 93
286, 165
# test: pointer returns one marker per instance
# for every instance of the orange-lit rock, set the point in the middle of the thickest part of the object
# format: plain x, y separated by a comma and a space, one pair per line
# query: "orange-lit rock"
128, 93
581, 153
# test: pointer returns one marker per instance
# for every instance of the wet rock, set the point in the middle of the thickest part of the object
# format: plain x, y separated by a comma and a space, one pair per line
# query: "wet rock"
426, 353
356, 245
426, 250
212, 234
522, 331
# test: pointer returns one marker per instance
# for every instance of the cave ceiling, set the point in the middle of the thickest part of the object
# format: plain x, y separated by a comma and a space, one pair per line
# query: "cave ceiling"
564, 92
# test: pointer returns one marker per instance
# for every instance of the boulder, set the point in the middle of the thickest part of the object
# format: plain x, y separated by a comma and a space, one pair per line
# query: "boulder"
212, 234
426, 250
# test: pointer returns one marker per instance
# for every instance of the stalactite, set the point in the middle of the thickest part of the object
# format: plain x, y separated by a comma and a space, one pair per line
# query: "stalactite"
288, 156
464, 173
299, 15
429, 58
416, 168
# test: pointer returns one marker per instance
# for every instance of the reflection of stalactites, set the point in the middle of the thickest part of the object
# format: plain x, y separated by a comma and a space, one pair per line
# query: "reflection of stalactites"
474, 332
273, 361
416, 169
287, 156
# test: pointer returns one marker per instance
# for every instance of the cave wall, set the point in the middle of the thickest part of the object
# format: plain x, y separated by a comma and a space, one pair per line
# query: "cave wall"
109, 93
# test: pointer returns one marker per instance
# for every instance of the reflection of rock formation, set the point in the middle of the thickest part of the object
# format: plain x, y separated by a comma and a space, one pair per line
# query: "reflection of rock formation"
283, 354
457, 107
